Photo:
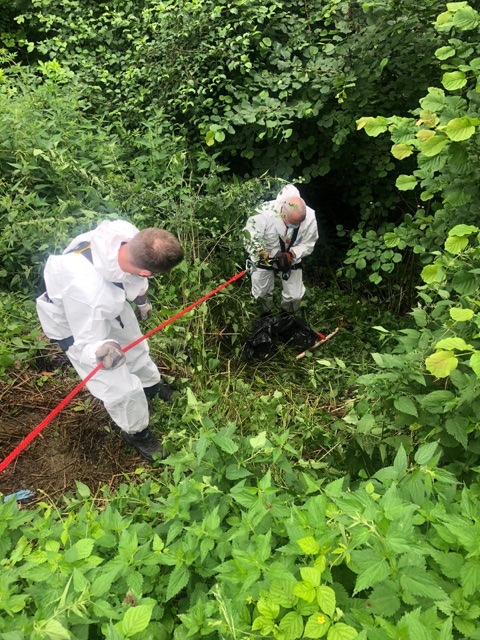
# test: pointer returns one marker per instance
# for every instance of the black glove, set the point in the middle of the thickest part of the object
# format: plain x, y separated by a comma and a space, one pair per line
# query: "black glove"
283, 261
110, 354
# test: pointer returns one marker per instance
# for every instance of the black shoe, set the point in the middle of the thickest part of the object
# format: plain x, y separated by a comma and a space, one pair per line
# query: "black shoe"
145, 443
161, 389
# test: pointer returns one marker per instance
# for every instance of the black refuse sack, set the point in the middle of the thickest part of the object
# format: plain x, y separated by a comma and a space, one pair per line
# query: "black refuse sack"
273, 329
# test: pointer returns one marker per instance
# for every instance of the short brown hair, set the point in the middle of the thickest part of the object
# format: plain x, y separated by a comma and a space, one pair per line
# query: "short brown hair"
155, 250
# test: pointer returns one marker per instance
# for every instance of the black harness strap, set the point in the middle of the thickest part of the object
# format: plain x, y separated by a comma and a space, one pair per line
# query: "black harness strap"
292, 241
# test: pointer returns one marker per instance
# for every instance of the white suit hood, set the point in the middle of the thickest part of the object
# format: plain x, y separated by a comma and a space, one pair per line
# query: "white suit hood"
105, 242
288, 191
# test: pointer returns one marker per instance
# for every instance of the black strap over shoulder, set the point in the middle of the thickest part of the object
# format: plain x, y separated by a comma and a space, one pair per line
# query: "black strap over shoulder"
292, 241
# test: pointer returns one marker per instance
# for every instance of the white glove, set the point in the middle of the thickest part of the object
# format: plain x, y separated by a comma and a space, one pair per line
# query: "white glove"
145, 310
111, 355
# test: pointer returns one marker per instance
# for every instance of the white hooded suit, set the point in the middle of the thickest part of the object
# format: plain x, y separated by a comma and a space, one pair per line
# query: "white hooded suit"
89, 302
263, 232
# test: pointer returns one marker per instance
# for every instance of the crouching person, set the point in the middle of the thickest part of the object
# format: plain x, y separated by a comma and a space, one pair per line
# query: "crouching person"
86, 310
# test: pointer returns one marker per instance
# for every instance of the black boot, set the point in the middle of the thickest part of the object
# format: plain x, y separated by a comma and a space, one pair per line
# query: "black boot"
160, 389
145, 443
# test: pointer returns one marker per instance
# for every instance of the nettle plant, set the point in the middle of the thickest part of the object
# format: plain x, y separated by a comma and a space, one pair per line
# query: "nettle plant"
427, 385
232, 541
443, 140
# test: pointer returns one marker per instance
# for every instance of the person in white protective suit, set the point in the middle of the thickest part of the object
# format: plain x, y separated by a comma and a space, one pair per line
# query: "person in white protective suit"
282, 232
86, 310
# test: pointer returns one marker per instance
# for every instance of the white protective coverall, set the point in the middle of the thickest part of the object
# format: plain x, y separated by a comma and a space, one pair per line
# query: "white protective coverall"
82, 301
263, 232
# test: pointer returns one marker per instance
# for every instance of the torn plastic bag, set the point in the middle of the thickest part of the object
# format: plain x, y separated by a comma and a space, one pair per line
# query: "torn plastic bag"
271, 330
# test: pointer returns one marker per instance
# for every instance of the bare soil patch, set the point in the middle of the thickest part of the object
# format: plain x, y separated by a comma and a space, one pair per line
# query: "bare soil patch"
81, 443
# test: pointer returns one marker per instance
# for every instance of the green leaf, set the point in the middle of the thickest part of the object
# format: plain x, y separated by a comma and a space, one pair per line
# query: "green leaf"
425, 453
470, 577
464, 282
341, 631
177, 581
373, 126
460, 129
292, 625
311, 575
56, 631
401, 151
384, 600
475, 362
82, 489
309, 545
316, 627
461, 315
400, 463
268, 609
420, 584
405, 405
210, 138
453, 80
457, 427
406, 183
445, 52
433, 146
434, 101
80, 550
441, 364
432, 273
326, 600
136, 619
259, 441
465, 19
391, 240
453, 343
225, 443
376, 572
463, 230
305, 591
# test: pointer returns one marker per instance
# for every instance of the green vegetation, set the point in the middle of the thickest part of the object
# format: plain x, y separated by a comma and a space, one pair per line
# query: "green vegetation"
335, 496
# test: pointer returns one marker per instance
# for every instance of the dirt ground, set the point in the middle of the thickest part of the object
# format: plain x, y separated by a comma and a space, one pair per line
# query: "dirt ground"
81, 443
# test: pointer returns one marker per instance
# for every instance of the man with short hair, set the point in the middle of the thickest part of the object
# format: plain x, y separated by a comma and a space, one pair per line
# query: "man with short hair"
86, 310
282, 232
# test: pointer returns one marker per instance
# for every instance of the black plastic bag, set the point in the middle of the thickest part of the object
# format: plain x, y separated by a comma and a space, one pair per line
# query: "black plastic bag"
271, 330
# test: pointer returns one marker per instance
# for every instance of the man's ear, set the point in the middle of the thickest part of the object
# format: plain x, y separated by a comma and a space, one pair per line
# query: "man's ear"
145, 273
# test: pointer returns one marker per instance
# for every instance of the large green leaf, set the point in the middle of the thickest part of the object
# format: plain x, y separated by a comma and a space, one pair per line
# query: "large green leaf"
453, 343
376, 572
177, 581
373, 126
457, 427
406, 183
317, 626
445, 52
433, 146
463, 230
441, 364
311, 575
435, 100
453, 80
461, 315
426, 452
470, 577
292, 625
466, 19
309, 545
405, 405
136, 619
464, 282
432, 273
341, 631
384, 600
401, 151
475, 362
326, 599
460, 129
